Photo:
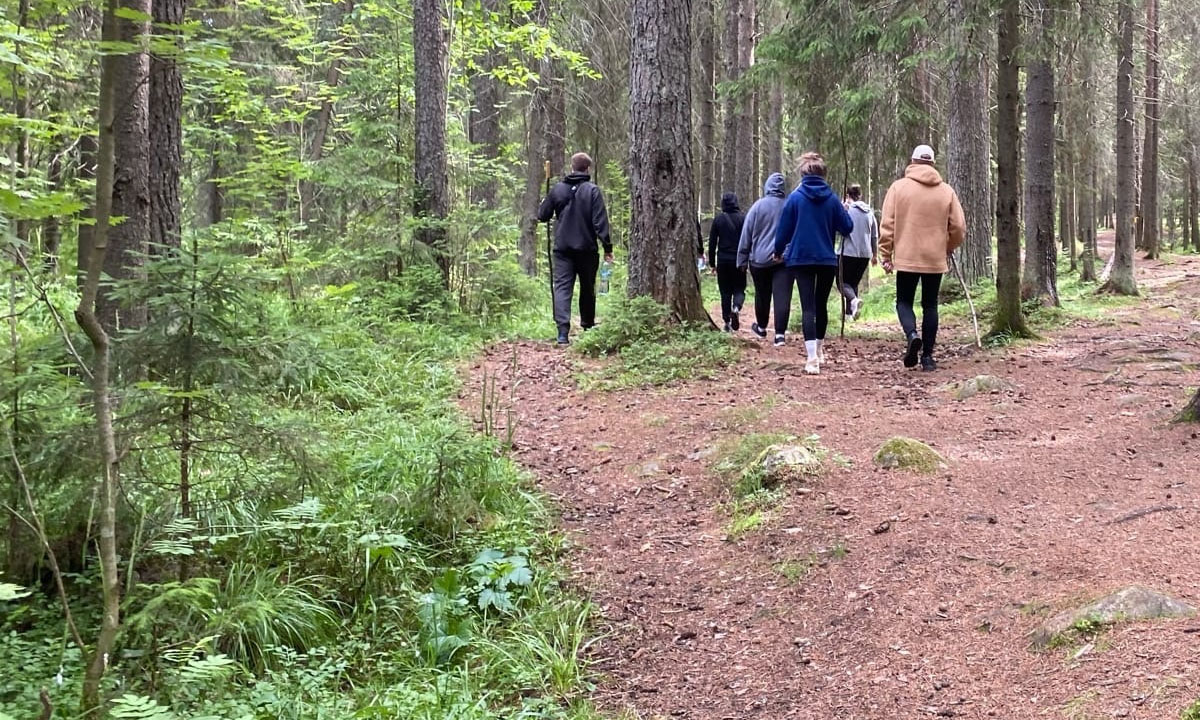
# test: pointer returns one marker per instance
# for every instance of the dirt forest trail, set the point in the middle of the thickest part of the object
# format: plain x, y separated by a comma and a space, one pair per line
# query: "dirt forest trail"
886, 594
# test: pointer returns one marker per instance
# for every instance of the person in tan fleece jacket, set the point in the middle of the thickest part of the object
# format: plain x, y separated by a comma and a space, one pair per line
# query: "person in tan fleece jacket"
922, 225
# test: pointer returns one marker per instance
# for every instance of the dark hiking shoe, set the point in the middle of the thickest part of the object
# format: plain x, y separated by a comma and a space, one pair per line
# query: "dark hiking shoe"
735, 322
563, 339
779, 341
928, 364
757, 330
913, 352
726, 328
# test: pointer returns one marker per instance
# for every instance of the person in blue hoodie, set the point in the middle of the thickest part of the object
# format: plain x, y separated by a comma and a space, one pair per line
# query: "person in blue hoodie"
804, 239
722, 258
756, 249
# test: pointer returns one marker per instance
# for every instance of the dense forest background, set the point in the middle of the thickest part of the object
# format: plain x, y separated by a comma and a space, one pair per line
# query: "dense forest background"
248, 243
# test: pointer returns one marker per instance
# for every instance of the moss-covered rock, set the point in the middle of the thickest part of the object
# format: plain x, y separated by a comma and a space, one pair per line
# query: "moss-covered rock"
908, 454
782, 464
981, 385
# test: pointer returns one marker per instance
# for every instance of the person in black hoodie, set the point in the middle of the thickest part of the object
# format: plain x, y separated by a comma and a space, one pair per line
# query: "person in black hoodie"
723, 241
582, 220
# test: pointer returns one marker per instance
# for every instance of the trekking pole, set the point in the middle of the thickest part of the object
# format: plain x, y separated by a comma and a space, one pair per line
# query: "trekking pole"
549, 255
970, 303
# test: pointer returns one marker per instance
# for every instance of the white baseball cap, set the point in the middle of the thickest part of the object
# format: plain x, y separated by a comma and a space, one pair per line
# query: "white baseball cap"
923, 152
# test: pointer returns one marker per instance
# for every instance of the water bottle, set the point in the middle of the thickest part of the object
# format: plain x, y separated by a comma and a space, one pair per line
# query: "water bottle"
701, 266
605, 274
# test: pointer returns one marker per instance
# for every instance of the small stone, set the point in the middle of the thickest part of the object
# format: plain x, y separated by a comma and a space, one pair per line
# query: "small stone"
908, 454
1129, 604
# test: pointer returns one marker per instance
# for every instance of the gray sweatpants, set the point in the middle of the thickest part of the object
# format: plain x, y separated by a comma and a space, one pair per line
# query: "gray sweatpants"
569, 264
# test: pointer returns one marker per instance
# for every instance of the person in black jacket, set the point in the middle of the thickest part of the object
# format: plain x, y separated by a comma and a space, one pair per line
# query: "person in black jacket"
722, 257
582, 220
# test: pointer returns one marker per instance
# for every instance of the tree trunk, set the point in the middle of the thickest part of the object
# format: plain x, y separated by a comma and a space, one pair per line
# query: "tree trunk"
747, 116
1191, 411
1151, 223
706, 23
1193, 198
431, 198
484, 125
166, 129
21, 90
1041, 251
52, 226
86, 171
663, 241
129, 240
1121, 281
1009, 318
534, 125
968, 155
324, 120
111, 67
730, 157
773, 131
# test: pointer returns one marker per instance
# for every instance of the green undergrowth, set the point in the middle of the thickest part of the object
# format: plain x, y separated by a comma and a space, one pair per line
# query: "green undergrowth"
795, 570
1191, 712
754, 491
355, 548
644, 349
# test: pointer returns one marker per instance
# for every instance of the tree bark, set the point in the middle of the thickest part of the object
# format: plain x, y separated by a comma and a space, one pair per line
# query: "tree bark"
730, 156
1151, 222
1041, 251
431, 195
773, 132
968, 154
166, 128
1193, 195
1009, 318
483, 129
111, 67
1121, 281
52, 226
21, 91
746, 108
706, 22
129, 240
663, 241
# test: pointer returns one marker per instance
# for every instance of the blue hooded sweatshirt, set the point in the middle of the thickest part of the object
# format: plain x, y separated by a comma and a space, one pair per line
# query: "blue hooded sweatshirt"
812, 216
757, 243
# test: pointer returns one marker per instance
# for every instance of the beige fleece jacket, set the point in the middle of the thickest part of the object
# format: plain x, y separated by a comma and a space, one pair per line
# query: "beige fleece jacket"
922, 222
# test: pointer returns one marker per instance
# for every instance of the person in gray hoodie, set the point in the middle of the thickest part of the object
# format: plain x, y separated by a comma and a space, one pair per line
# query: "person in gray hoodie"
756, 248
859, 250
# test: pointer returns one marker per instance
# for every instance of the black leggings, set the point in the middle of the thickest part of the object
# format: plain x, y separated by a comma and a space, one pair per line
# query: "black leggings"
814, 282
853, 269
764, 284
731, 281
906, 293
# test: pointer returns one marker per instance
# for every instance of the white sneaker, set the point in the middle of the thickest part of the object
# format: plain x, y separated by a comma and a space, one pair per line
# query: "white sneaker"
855, 306
813, 365
821, 351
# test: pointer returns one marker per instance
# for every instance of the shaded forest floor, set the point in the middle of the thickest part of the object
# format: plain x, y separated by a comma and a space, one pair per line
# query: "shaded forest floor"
886, 594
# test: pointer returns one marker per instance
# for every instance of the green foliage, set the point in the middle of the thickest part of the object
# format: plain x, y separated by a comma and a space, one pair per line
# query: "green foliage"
1191, 712
650, 351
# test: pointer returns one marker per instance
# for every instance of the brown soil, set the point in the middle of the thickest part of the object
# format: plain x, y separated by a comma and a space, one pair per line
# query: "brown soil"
928, 615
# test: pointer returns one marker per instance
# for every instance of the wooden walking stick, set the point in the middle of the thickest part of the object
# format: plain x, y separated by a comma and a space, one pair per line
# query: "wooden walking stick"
549, 255
970, 303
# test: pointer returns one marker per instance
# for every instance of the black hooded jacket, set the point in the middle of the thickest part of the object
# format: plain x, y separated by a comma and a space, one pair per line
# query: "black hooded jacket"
726, 232
582, 217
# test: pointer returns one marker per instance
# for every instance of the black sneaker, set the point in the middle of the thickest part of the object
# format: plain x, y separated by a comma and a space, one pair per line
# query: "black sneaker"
735, 322
757, 330
914, 350
779, 341
726, 328
928, 364
563, 339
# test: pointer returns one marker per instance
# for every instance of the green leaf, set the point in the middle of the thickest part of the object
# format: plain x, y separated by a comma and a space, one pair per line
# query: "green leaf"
132, 15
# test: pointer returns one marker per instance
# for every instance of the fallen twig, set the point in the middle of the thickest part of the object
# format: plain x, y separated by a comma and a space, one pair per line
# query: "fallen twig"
1142, 513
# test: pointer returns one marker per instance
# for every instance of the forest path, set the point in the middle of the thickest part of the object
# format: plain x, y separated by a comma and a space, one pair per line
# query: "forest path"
822, 613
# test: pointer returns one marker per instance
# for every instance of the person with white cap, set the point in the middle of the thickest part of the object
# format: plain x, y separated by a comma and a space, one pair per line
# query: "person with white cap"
922, 225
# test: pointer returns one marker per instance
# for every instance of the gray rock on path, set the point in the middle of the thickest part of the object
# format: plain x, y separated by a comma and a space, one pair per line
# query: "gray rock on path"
1131, 603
